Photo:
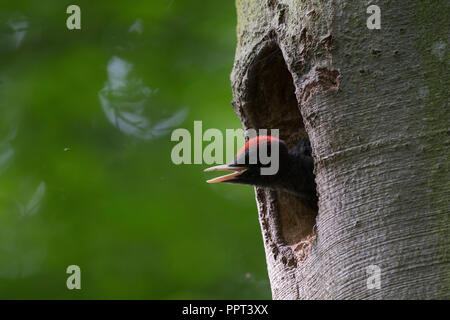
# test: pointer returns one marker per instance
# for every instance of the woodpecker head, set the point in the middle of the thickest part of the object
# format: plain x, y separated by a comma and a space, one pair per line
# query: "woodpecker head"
261, 162
266, 162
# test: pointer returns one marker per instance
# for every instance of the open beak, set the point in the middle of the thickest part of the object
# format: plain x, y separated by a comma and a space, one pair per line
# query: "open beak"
226, 167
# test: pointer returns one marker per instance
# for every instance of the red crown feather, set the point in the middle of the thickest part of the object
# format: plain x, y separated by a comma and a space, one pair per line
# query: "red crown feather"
254, 142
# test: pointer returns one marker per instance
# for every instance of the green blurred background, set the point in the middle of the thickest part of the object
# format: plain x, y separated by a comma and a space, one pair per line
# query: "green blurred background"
86, 176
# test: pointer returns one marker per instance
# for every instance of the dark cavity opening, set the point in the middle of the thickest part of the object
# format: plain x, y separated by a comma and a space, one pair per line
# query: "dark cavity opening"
271, 103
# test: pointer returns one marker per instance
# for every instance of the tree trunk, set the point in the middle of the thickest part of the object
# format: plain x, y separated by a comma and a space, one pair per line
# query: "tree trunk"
374, 104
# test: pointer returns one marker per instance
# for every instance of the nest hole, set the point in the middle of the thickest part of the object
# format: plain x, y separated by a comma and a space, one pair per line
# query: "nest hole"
271, 103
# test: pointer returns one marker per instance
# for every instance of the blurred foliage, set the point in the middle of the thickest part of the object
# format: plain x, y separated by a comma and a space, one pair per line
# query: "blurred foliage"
85, 171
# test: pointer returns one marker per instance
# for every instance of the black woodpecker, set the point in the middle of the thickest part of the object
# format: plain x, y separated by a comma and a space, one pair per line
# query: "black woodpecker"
295, 173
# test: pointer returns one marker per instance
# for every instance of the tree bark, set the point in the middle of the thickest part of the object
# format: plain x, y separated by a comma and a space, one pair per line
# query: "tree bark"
374, 104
